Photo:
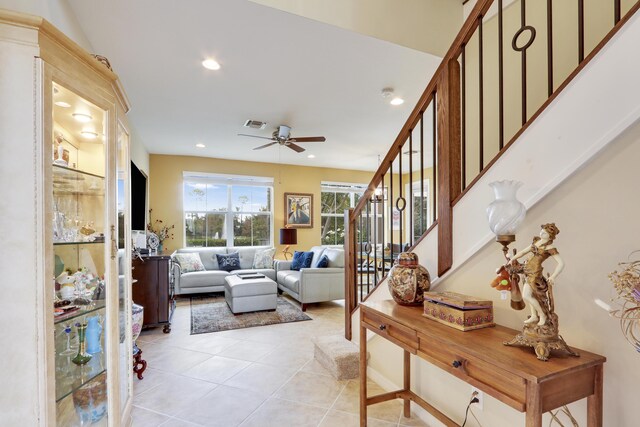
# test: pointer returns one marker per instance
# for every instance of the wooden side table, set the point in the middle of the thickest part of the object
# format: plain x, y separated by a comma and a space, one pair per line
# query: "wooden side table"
512, 375
152, 290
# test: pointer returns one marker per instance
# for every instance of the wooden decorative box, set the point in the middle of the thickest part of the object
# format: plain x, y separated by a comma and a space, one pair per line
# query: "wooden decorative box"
459, 311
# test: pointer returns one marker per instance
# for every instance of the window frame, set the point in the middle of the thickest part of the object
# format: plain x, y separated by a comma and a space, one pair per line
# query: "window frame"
339, 187
230, 181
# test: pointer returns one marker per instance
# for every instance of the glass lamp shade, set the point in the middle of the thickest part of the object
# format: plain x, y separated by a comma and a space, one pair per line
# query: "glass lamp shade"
506, 212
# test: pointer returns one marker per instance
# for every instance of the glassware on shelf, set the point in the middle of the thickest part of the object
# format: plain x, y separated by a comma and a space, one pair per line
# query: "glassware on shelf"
82, 357
90, 400
94, 333
68, 351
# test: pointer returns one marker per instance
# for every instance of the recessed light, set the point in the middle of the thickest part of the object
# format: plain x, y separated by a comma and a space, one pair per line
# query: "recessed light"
88, 134
82, 117
200, 145
396, 101
63, 104
211, 64
311, 156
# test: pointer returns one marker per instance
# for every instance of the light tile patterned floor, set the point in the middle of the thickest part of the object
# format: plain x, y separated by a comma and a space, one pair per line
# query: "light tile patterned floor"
255, 377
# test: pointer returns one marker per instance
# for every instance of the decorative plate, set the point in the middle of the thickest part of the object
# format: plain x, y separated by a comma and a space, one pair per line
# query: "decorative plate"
153, 241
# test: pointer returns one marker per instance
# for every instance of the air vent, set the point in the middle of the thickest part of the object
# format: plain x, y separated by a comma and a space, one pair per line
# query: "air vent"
255, 124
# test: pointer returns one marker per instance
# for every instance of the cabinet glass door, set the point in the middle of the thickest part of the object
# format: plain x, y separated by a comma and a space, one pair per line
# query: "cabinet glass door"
125, 350
80, 251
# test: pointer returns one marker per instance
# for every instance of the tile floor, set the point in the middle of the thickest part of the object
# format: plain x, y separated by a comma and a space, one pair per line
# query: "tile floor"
255, 377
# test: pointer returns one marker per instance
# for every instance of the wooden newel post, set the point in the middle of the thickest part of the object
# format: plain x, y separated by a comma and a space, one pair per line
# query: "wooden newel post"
448, 158
349, 270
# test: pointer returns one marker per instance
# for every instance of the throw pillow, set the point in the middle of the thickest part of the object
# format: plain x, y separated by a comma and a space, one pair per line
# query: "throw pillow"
189, 262
228, 262
323, 262
301, 260
264, 258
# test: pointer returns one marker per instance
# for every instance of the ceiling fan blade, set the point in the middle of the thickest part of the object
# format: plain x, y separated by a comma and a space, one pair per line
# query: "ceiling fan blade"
254, 136
265, 145
308, 139
294, 147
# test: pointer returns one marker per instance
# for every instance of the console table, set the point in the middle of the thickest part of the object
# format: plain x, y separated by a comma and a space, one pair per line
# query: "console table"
152, 291
512, 375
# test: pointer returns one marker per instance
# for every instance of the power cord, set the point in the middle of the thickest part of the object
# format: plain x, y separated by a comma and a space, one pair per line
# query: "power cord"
473, 400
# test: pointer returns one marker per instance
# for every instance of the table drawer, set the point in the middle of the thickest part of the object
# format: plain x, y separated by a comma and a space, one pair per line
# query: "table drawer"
400, 335
489, 378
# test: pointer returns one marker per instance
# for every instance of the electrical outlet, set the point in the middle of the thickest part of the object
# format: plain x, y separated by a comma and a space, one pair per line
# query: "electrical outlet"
478, 395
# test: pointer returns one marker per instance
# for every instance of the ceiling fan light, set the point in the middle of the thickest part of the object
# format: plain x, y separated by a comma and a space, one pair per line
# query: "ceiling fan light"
283, 131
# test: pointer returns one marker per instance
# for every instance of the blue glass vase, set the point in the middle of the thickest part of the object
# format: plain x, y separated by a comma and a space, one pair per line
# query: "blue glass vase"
94, 332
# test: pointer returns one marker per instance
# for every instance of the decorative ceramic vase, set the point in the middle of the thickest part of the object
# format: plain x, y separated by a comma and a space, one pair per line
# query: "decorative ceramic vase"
506, 212
94, 332
408, 280
137, 314
82, 357
90, 400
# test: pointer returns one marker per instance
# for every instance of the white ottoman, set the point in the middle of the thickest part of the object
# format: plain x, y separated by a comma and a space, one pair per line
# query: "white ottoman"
244, 295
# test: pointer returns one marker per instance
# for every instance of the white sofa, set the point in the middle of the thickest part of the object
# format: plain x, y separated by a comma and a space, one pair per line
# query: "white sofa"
314, 284
212, 279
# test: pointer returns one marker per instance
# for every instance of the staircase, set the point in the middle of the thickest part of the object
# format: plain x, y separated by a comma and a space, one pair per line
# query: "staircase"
508, 66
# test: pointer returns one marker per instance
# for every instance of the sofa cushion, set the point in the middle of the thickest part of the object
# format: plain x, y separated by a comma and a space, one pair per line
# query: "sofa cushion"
189, 262
318, 251
269, 272
336, 257
290, 279
264, 258
207, 255
198, 279
323, 262
228, 262
301, 260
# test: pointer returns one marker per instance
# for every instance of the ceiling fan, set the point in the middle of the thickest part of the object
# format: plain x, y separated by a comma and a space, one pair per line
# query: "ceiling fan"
283, 136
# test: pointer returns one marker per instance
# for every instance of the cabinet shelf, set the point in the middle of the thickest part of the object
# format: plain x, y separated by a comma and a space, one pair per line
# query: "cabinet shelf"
70, 377
74, 182
94, 306
59, 170
95, 242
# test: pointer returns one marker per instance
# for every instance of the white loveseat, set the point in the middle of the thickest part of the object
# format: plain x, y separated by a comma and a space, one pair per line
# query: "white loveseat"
314, 284
212, 279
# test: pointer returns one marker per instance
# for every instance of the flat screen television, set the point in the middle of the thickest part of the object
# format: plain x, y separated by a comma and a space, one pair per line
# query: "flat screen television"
138, 199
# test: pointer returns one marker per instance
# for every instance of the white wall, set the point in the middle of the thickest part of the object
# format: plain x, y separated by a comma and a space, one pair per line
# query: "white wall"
579, 173
58, 12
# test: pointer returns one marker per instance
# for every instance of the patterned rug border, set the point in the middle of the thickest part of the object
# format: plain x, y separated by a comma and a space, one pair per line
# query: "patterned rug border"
252, 319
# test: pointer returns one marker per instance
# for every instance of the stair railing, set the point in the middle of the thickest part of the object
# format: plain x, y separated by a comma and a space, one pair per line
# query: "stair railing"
475, 107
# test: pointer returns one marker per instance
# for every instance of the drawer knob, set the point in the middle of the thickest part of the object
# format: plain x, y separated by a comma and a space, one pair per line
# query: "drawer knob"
382, 327
456, 363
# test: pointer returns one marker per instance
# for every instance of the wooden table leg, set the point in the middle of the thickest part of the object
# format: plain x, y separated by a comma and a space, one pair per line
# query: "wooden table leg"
534, 405
363, 377
407, 382
594, 402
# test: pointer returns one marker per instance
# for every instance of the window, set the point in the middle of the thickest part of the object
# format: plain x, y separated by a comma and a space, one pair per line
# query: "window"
227, 210
335, 199
421, 214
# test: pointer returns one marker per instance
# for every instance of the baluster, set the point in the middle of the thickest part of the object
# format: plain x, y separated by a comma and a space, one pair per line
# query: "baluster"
523, 11
550, 47
480, 95
361, 250
410, 195
375, 242
463, 123
616, 11
580, 31
422, 219
434, 152
368, 245
384, 225
500, 78
398, 202
391, 203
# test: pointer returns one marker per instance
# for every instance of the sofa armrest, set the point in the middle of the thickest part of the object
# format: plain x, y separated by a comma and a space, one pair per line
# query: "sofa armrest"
321, 284
321, 271
280, 265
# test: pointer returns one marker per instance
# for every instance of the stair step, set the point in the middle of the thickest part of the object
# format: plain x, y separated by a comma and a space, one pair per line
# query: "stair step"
338, 355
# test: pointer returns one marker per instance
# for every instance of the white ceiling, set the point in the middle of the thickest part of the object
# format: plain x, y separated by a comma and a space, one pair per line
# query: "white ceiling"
276, 67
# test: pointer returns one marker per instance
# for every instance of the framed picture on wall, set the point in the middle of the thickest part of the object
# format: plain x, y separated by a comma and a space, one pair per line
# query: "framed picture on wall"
298, 208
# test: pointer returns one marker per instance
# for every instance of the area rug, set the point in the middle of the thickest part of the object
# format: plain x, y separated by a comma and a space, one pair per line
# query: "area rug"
212, 314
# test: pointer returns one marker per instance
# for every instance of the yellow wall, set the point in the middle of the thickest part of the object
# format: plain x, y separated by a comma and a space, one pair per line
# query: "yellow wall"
165, 190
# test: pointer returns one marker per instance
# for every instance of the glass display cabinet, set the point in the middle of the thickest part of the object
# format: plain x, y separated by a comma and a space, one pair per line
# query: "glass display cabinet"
66, 226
